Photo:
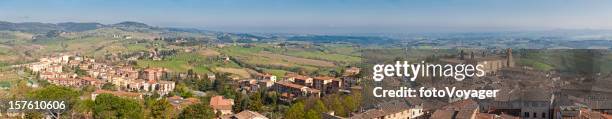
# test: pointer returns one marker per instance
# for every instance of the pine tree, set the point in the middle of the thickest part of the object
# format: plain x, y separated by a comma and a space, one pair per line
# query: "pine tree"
162, 109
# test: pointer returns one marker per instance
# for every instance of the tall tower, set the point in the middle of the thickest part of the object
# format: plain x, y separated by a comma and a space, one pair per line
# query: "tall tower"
472, 55
509, 59
461, 55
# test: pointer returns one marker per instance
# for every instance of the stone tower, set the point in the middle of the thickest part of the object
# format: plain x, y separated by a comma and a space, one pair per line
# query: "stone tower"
461, 55
509, 59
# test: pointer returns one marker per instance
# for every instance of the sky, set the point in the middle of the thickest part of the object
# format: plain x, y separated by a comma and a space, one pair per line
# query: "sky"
321, 16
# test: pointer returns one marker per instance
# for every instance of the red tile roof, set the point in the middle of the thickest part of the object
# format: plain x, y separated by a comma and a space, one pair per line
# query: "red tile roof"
88, 78
218, 102
324, 78
462, 105
485, 116
300, 77
443, 114
290, 85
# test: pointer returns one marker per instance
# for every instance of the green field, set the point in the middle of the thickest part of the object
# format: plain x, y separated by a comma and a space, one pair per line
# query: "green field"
182, 62
275, 72
575, 61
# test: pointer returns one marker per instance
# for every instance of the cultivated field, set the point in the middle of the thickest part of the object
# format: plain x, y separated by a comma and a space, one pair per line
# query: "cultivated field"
243, 73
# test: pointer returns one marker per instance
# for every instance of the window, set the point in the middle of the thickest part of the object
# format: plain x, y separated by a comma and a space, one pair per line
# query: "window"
543, 114
535, 115
526, 115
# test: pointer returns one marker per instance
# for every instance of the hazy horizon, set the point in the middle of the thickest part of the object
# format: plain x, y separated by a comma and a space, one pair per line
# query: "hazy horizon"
323, 16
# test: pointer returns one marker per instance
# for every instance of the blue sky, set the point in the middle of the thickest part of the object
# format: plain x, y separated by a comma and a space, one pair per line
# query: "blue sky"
313, 16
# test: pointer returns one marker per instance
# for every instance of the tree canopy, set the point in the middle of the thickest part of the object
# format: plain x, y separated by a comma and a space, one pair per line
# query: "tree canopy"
162, 109
107, 106
197, 111
296, 111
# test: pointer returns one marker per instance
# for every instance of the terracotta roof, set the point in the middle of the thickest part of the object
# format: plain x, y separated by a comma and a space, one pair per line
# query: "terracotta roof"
48, 73
246, 114
88, 78
463, 109
219, 103
535, 94
464, 114
444, 114
152, 81
287, 95
468, 104
300, 77
485, 116
324, 78
55, 66
138, 81
193, 100
290, 85
175, 97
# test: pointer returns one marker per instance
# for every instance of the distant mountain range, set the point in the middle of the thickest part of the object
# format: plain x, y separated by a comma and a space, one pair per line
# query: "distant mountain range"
51, 30
41, 28
543, 39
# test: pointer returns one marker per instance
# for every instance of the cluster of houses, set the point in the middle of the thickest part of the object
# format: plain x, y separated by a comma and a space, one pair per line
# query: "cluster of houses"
290, 87
132, 83
472, 109
293, 86
128, 79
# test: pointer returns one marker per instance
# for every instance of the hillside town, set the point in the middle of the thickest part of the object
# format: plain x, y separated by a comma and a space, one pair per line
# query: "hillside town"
526, 93
305, 59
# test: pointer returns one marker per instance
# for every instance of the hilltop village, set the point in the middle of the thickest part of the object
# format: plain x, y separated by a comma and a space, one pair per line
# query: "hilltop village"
525, 92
